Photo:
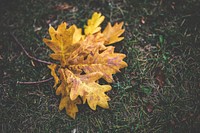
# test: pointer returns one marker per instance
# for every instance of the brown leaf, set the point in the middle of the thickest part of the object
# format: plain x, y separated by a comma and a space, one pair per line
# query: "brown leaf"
160, 77
143, 20
37, 28
173, 123
63, 6
1, 58
149, 108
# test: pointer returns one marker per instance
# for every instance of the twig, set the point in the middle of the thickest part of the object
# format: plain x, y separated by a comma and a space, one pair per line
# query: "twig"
31, 57
34, 82
42, 61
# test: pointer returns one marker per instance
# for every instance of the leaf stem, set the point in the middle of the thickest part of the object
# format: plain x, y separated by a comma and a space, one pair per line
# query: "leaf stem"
31, 57
34, 82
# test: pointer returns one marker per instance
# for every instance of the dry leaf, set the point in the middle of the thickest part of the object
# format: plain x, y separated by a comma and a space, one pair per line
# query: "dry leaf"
112, 33
160, 77
107, 63
63, 6
1, 58
53, 73
84, 59
149, 108
63, 42
93, 24
143, 20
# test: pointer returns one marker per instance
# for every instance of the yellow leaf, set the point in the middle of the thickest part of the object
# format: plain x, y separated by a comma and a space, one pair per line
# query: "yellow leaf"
93, 24
112, 34
107, 63
87, 87
91, 44
84, 60
53, 73
65, 102
78, 87
69, 105
75, 32
96, 96
63, 42
62, 89
71, 108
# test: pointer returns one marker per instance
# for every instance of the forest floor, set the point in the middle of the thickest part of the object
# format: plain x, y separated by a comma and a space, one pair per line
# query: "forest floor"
159, 91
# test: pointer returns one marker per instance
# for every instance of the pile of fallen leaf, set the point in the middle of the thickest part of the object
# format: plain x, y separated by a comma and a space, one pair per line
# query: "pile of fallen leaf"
83, 60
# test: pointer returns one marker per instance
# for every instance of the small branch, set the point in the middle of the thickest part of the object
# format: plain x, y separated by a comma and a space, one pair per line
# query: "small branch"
42, 61
34, 82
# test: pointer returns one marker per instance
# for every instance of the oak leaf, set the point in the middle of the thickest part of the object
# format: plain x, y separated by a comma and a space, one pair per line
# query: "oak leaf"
53, 73
63, 41
107, 63
83, 61
69, 105
87, 87
93, 24
112, 34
